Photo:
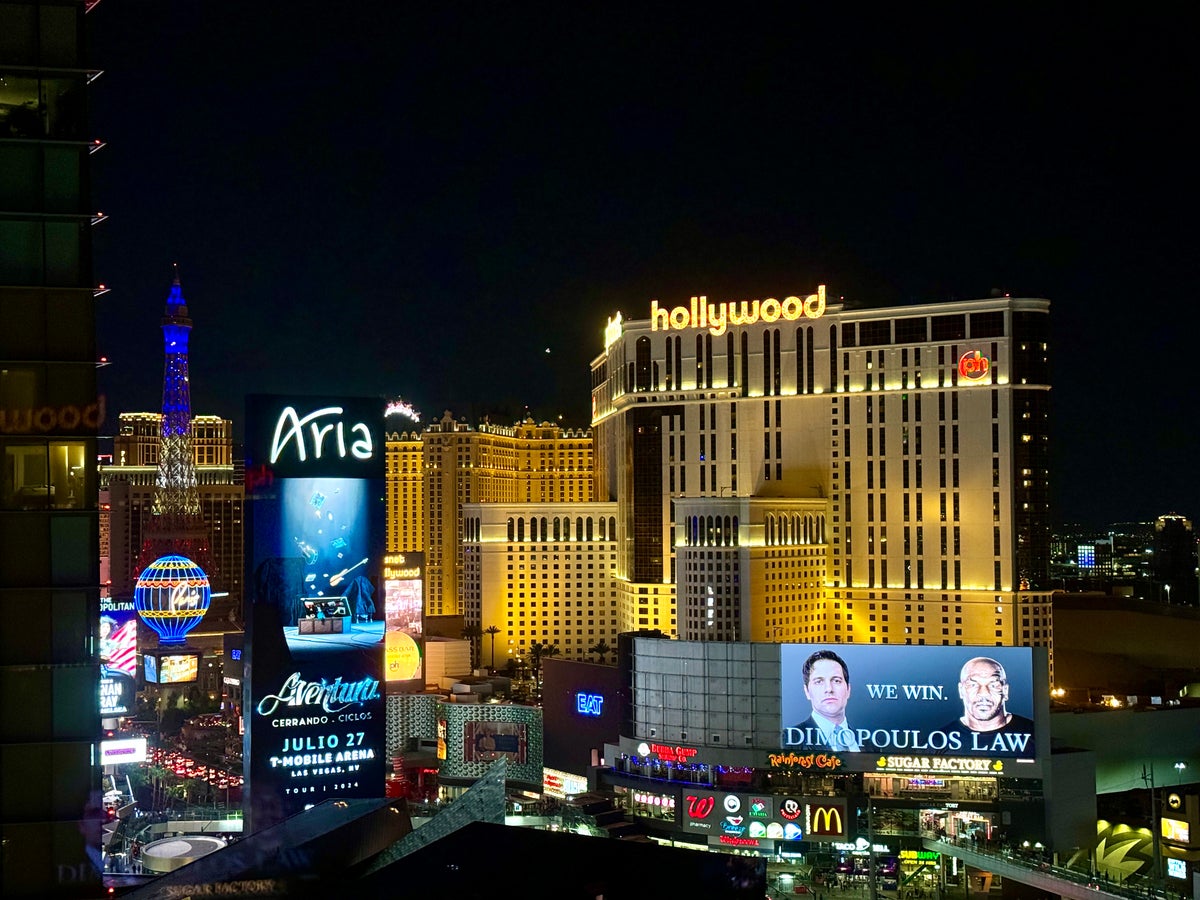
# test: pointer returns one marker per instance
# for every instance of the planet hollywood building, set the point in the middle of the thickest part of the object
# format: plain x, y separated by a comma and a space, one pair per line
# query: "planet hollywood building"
794, 469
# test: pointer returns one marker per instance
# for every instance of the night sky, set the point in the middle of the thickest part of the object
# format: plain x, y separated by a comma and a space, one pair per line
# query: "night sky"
379, 200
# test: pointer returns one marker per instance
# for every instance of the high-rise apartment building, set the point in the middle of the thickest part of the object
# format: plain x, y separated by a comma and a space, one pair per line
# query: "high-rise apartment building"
1173, 566
800, 470
127, 488
49, 419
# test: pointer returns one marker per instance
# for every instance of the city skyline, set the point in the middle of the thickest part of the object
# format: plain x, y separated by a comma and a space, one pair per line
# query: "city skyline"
448, 205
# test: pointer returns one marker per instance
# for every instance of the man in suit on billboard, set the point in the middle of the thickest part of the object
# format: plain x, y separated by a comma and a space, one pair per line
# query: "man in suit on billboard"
827, 686
983, 687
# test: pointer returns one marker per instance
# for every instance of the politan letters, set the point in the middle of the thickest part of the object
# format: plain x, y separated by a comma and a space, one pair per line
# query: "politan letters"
290, 427
331, 696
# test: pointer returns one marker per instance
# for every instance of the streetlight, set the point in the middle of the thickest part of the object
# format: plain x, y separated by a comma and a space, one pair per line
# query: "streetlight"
1179, 767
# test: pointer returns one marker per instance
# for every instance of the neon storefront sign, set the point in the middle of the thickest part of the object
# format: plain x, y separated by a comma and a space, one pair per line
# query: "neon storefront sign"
717, 317
588, 704
805, 761
290, 428
673, 754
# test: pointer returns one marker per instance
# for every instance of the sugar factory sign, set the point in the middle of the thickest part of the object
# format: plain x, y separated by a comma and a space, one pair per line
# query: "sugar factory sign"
717, 317
954, 764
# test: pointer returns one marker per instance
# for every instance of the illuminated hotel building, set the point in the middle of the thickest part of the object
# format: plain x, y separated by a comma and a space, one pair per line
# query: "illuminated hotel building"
525, 463
829, 473
127, 487
49, 419
541, 572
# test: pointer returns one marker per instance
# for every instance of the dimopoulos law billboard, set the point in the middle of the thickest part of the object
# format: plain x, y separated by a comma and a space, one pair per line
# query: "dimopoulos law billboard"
314, 655
838, 700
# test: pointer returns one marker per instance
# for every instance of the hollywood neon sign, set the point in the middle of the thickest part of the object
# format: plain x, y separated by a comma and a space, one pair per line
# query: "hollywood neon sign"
289, 427
716, 317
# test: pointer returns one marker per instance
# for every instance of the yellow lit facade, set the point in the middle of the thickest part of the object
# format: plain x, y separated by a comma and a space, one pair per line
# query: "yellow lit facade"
460, 464
902, 455
541, 572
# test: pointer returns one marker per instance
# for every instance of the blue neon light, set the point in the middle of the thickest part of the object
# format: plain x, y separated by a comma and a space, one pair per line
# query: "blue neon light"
588, 704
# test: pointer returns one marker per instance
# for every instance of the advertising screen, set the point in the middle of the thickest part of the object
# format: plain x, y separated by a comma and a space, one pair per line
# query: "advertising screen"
118, 656
314, 651
896, 702
122, 750
1175, 830
172, 668
488, 741
404, 610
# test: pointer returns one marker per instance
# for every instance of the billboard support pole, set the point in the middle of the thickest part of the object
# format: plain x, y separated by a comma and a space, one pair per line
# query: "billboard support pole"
871, 847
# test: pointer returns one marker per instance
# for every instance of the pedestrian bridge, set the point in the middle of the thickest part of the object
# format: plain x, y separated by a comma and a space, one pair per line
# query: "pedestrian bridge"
1052, 879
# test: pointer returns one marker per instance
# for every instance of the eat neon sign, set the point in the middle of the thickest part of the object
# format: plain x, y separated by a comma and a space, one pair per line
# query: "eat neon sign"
588, 704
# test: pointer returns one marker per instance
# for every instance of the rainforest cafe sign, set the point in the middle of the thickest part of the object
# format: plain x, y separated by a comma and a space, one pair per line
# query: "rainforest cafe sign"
716, 317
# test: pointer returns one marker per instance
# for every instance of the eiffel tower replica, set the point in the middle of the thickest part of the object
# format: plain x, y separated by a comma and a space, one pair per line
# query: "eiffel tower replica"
176, 524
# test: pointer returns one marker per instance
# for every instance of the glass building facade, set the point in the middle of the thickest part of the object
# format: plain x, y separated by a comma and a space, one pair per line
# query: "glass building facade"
49, 418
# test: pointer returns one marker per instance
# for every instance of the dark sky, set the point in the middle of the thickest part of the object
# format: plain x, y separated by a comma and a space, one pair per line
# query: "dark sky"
380, 200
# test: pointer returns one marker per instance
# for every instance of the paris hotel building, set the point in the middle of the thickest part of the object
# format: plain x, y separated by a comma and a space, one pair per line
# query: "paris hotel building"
485, 504
801, 469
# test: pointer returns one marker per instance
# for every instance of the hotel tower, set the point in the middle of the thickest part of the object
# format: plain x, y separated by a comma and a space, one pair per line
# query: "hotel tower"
800, 469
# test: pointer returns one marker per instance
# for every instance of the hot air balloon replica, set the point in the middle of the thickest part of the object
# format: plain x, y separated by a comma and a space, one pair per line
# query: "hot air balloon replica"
172, 595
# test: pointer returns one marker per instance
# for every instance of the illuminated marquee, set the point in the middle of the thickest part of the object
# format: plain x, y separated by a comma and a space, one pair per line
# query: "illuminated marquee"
973, 366
668, 753
716, 317
804, 761
958, 764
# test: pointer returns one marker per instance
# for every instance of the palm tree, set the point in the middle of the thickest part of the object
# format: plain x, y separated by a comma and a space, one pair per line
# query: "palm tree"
601, 649
491, 631
472, 632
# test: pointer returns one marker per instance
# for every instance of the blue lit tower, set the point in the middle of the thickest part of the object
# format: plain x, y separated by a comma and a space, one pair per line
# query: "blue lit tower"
176, 524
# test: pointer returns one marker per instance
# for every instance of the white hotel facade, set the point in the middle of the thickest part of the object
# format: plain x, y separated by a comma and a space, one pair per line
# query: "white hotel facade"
800, 470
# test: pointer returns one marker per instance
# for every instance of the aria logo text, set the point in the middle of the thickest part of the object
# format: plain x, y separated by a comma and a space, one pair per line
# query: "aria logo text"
327, 437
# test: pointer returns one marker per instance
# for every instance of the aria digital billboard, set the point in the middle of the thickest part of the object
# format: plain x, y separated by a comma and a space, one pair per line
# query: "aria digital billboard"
895, 702
118, 656
313, 661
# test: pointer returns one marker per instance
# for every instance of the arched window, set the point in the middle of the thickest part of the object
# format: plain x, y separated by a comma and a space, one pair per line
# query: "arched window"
579, 528
557, 528
590, 534
521, 529
511, 528
642, 371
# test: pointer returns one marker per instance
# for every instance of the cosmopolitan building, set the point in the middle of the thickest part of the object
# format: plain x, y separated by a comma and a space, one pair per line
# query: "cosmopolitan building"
796, 469
49, 418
